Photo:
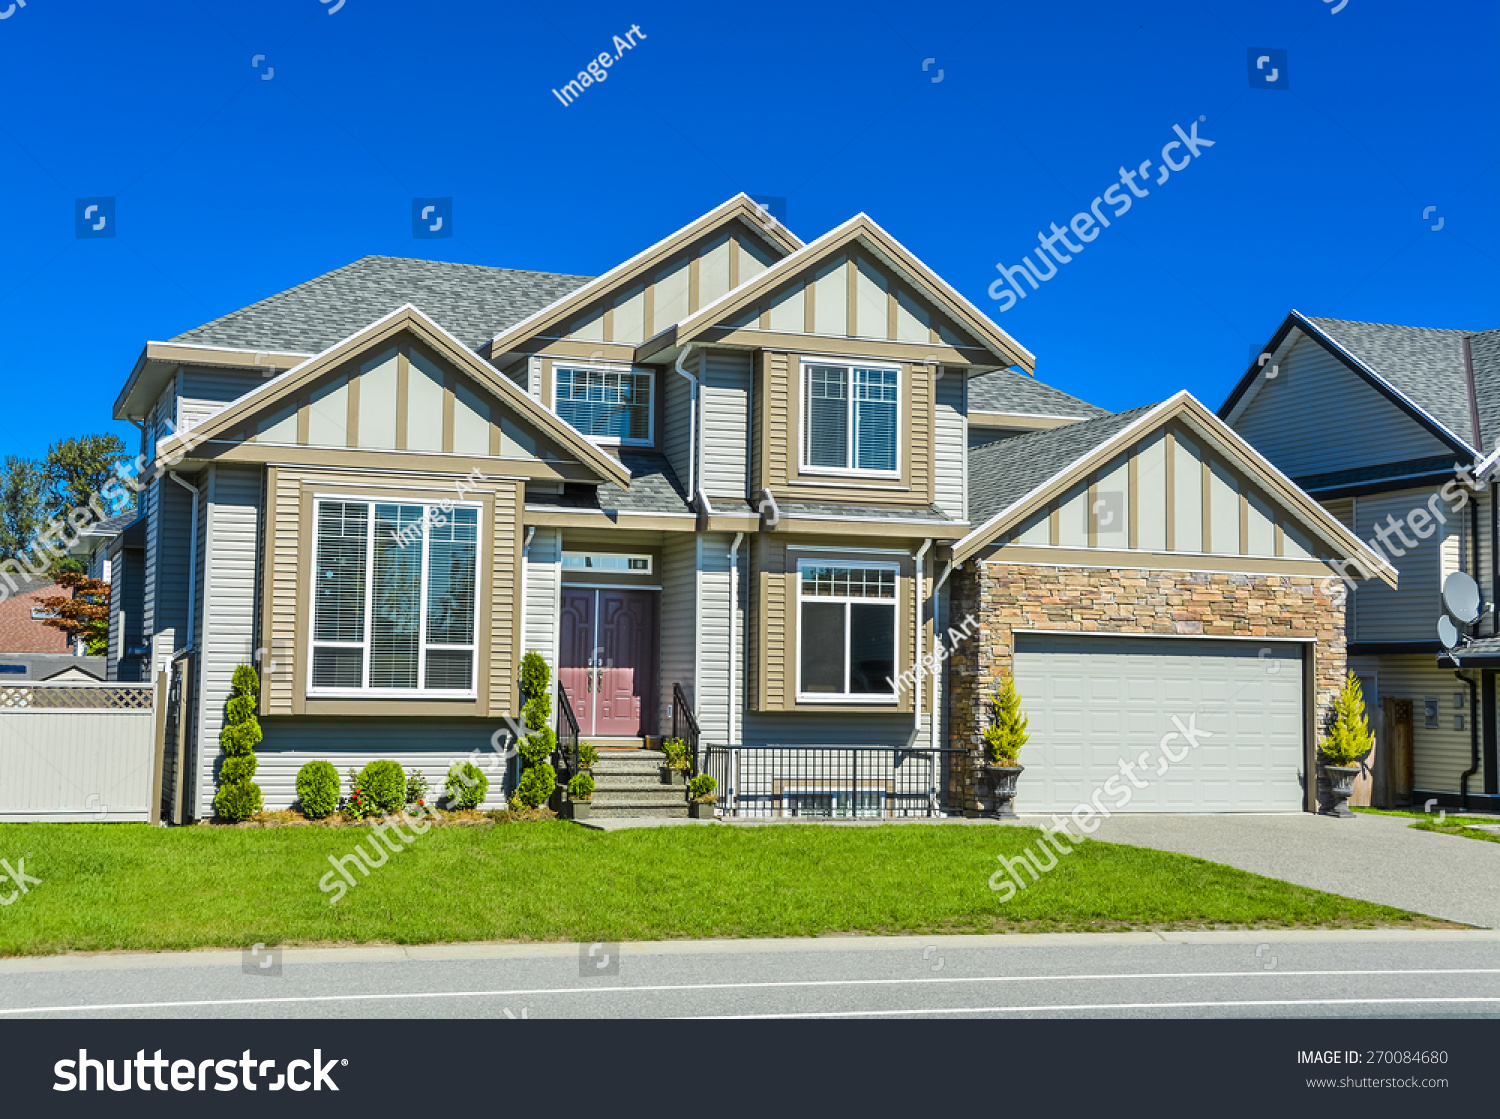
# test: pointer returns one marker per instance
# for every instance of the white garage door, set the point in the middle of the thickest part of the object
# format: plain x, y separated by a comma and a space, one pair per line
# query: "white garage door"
1095, 701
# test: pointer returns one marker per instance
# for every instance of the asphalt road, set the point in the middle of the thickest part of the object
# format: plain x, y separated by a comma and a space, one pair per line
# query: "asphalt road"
1356, 974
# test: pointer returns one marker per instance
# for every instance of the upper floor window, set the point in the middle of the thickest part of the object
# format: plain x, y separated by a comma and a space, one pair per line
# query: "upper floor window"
394, 605
850, 417
608, 405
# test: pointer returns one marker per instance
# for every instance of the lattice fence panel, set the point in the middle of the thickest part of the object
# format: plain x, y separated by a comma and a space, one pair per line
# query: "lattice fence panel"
92, 697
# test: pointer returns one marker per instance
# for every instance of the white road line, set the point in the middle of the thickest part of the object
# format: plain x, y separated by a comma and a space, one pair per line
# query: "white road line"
789, 983
1086, 1006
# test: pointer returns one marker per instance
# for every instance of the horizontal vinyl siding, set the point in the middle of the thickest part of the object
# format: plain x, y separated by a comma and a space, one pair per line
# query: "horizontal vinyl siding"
503, 597
713, 640
431, 745
1303, 418
204, 391
726, 424
812, 729
231, 516
1411, 612
543, 577
676, 438
1440, 754
948, 473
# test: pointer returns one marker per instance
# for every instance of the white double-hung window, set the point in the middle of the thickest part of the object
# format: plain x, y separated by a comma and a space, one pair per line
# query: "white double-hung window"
850, 417
607, 405
846, 631
394, 598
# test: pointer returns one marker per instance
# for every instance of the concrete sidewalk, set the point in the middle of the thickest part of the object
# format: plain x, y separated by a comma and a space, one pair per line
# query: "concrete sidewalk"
1374, 858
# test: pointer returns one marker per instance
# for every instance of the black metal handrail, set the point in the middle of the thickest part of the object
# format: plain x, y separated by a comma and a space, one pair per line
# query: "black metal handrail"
567, 734
685, 725
833, 782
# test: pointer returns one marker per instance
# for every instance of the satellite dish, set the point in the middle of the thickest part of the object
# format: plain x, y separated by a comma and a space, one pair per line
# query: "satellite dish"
1461, 597
1448, 633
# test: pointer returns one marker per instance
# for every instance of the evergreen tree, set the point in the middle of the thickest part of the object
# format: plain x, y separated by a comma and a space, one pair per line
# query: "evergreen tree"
1007, 732
1349, 738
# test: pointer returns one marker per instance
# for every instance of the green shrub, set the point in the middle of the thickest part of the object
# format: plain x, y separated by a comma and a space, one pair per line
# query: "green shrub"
238, 797
537, 785
416, 789
1005, 736
588, 754
237, 769
237, 802
467, 786
581, 787
538, 779
679, 754
318, 789
383, 785
1349, 738
701, 788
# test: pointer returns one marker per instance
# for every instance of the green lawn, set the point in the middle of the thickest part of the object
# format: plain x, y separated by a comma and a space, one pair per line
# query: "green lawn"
127, 886
1451, 824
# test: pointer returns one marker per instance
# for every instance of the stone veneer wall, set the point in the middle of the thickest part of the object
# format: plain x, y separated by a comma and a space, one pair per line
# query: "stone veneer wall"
1006, 596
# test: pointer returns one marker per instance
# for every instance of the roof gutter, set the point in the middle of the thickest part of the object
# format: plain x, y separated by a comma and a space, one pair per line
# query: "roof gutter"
692, 487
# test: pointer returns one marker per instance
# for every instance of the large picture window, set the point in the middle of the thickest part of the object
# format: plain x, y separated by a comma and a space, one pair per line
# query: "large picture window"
609, 405
846, 631
850, 418
394, 597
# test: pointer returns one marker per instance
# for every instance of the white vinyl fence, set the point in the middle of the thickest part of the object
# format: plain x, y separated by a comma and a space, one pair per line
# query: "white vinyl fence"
77, 752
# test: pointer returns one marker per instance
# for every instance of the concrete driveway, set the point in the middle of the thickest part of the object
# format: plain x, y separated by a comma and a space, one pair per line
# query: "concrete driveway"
1374, 858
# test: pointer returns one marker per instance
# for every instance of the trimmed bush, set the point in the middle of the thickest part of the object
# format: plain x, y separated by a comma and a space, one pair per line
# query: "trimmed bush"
239, 801
539, 779
581, 787
1349, 738
1007, 734
467, 785
239, 797
383, 785
701, 788
238, 769
318, 789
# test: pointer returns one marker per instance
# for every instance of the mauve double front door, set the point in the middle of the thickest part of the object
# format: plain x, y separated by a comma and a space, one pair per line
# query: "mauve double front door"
608, 660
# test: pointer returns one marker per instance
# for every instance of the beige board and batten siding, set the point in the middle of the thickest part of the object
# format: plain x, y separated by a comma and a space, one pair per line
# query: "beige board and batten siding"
1440, 754
289, 559
1316, 416
231, 545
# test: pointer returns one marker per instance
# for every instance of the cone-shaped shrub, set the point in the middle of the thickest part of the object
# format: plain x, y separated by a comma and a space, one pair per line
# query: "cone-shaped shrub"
539, 779
1349, 738
239, 797
1007, 733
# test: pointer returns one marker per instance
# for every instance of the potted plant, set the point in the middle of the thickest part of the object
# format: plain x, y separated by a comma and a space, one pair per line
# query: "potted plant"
1003, 740
581, 796
679, 761
1347, 742
588, 754
703, 801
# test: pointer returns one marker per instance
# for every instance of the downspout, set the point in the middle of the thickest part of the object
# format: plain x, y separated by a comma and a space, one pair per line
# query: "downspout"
734, 610
192, 557
692, 486
916, 706
1463, 780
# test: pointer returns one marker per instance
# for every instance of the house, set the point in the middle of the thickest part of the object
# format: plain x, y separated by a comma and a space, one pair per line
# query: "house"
1394, 430
23, 627
739, 485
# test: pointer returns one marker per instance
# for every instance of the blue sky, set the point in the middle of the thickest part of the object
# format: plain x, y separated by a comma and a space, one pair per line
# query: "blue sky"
230, 187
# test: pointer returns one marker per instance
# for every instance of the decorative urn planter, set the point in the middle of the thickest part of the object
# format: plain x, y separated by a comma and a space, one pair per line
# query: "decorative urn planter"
702, 809
1002, 779
1340, 780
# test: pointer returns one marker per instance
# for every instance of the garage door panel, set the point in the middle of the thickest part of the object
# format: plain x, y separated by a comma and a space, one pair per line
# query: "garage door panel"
1094, 700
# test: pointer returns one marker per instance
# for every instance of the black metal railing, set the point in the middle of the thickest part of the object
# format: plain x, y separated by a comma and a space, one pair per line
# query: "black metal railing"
685, 726
567, 735
831, 782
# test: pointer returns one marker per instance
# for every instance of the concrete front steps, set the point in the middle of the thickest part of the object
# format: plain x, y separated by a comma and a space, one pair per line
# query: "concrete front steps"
629, 784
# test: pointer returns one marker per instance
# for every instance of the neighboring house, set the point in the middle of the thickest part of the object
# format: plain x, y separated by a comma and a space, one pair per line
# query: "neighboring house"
113, 550
23, 627
735, 469
1381, 424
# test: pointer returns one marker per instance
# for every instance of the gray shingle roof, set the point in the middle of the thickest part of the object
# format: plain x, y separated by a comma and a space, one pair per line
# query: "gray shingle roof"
1001, 473
1424, 363
1005, 390
815, 509
1484, 350
472, 302
654, 488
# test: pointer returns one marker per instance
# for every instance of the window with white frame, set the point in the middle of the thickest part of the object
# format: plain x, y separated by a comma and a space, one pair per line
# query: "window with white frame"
394, 597
832, 803
850, 417
846, 631
608, 405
